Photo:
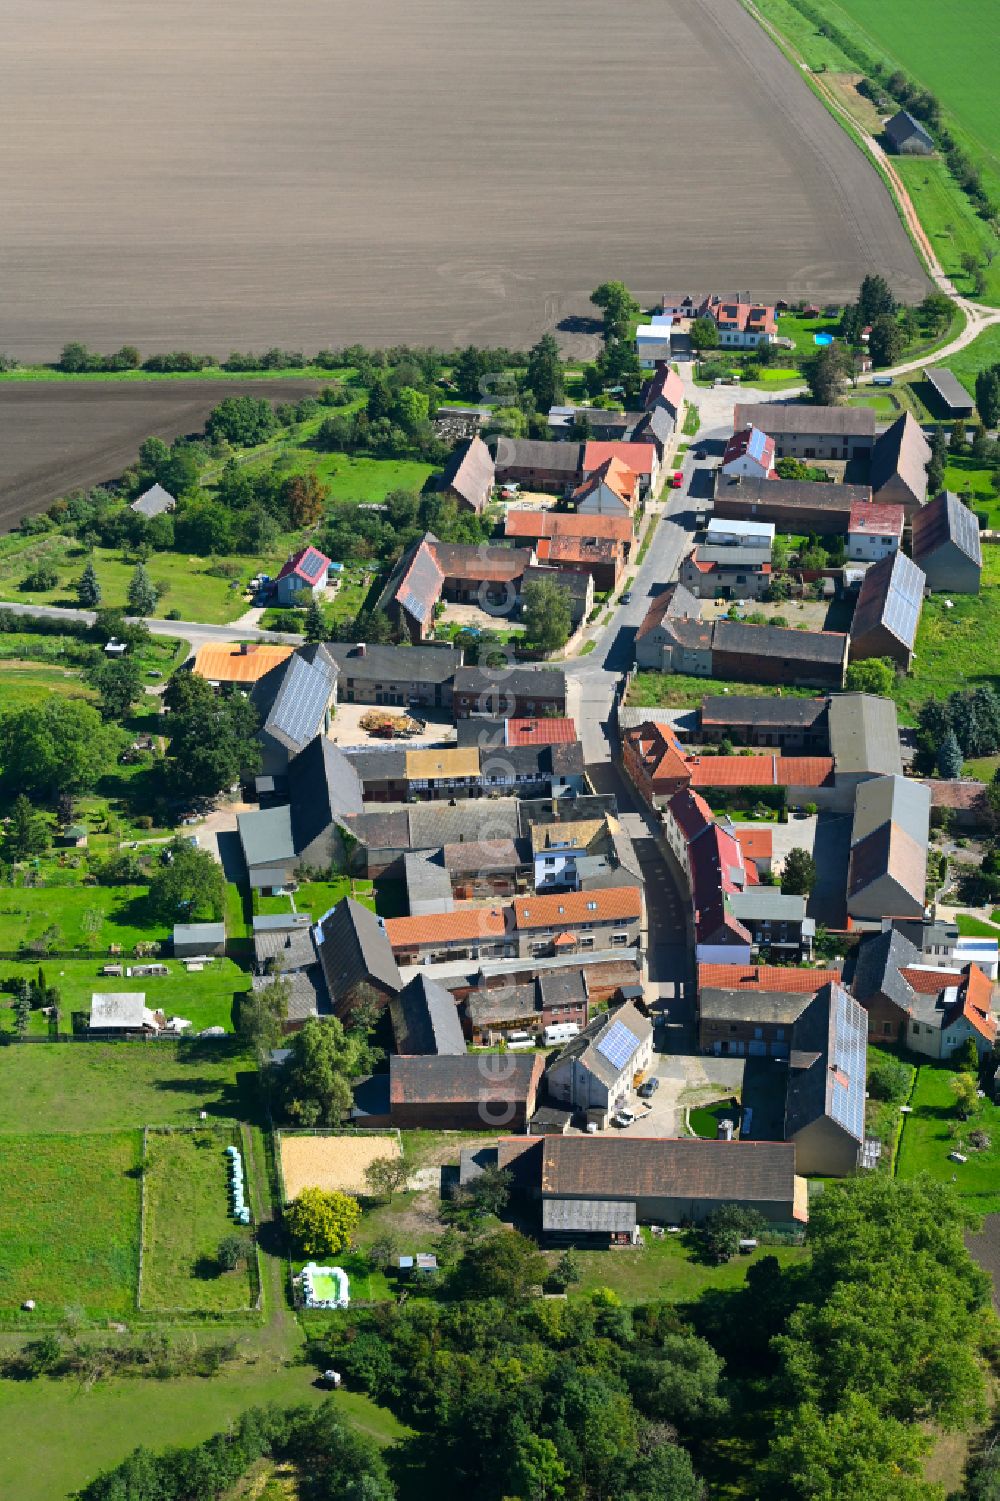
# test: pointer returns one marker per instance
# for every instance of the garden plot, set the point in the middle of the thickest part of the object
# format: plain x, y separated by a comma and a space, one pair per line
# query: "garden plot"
331, 1162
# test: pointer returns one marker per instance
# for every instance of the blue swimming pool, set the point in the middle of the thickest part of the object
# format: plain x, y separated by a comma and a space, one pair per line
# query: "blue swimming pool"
822, 338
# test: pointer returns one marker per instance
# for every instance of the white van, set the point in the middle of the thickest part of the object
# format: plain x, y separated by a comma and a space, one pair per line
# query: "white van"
520, 1040
560, 1032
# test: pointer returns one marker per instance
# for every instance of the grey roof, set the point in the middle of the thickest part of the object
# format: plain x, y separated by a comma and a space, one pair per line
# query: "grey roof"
118, 1008
686, 1168
378, 763
416, 581
950, 389
541, 453
266, 836
426, 882
545, 682
482, 856
280, 922
945, 521
154, 501
763, 710
891, 597
353, 947
199, 932
823, 647
659, 421
607, 1045
369, 662
903, 127
450, 1079
766, 1007
786, 417
901, 451
877, 966
425, 1019
833, 1028
496, 1004
323, 786
810, 494
470, 820
864, 734
381, 830
307, 993
562, 987
292, 948
895, 799
766, 903
292, 699
480, 731
721, 556
593, 1216
575, 584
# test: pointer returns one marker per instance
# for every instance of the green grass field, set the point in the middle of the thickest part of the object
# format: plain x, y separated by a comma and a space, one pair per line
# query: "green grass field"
27, 911
205, 1000
212, 372
25, 683
672, 690
953, 227
105, 1086
670, 1269
957, 645
974, 927
979, 355
353, 477
69, 1223
186, 1216
926, 1141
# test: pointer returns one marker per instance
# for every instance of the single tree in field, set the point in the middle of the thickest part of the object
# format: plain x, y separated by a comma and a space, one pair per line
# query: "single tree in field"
546, 614
949, 757
875, 299
304, 498
142, 593
119, 682
88, 589
965, 1088
619, 308
189, 886
314, 627
232, 1250
798, 877
323, 1222
826, 374
726, 1226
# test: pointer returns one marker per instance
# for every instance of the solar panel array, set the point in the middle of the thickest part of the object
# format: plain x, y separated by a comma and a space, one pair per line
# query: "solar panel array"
847, 1104
964, 527
904, 599
617, 1045
312, 564
301, 702
757, 444
421, 587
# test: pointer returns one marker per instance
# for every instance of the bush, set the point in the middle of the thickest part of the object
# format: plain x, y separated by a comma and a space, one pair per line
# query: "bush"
888, 1077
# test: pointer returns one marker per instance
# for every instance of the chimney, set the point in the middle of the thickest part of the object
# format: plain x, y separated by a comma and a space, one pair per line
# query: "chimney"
360, 650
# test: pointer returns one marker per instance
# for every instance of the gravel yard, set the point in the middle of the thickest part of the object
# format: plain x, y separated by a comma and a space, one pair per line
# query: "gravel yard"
331, 1161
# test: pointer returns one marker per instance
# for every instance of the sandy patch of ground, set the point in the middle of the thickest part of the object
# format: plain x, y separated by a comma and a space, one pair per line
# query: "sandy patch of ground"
331, 1162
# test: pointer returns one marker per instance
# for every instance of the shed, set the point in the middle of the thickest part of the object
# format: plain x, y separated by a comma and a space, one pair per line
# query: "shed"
191, 938
907, 136
950, 392
121, 1011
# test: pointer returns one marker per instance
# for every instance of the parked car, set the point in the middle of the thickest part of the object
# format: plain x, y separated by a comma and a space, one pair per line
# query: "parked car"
627, 597
624, 1118
677, 480
647, 1090
700, 454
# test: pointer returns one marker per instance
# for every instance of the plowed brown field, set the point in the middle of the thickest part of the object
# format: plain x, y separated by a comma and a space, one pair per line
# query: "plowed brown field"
234, 174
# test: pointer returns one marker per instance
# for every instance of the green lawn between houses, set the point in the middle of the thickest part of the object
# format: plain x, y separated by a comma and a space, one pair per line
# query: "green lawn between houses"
205, 1000
926, 1141
672, 690
956, 646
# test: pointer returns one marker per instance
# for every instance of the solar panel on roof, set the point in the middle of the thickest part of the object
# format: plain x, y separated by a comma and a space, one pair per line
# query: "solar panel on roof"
758, 442
847, 1104
312, 564
904, 599
617, 1045
301, 702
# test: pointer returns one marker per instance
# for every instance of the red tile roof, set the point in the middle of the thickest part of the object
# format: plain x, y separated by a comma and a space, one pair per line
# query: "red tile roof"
534, 524
756, 844
761, 771
618, 477
876, 517
578, 550
445, 927
545, 731
928, 980
639, 457
666, 386
613, 904
765, 977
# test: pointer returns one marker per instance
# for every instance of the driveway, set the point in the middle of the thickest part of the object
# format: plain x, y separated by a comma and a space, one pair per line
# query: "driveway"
686, 1080
345, 727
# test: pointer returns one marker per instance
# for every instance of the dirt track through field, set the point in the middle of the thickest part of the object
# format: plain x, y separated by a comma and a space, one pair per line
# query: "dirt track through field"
240, 173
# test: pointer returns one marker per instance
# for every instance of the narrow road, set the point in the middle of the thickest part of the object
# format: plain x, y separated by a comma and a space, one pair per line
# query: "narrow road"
196, 632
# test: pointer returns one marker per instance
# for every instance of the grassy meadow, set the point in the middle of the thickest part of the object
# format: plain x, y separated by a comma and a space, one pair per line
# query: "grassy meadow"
927, 1140
69, 1222
185, 1178
956, 646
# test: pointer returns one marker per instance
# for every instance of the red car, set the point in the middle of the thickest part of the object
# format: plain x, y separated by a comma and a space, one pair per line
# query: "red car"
677, 480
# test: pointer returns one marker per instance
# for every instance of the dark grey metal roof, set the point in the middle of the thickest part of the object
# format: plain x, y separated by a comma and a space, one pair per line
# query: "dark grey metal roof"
266, 836
833, 1029
323, 786
425, 1019
903, 127
368, 662
825, 647
199, 932
892, 596
950, 389
945, 520
790, 417
543, 682
353, 947
877, 968
864, 734
594, 1216
154, 501
764, 710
